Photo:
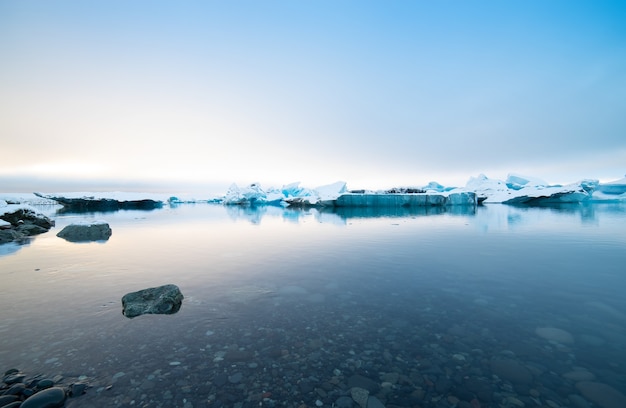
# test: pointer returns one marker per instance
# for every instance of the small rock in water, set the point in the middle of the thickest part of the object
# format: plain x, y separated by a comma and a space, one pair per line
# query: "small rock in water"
554, 334
235, 378
578, 401
85, 232
7, 399
166, 299
49, 398
77, 389
373, 402
511, 370
579, 375
45, 383
14, 377
15, 389
343, 402
360, 396
601, 394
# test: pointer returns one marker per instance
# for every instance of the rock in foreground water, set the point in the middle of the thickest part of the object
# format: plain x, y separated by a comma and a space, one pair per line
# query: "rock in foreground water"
601, 394
165, 299
85, 232
49, 398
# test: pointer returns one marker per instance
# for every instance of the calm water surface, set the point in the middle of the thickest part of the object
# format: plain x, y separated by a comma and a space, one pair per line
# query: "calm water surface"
496, 307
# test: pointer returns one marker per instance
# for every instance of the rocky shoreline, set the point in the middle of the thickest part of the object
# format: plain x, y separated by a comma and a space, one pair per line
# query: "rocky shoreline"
22, 223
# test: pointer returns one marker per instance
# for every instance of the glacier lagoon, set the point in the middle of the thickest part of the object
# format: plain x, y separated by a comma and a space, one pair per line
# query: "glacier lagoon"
470, 307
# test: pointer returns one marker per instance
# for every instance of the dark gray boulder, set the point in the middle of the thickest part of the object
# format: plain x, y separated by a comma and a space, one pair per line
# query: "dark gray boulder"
165, 299
49, 398
85, 232
21, 223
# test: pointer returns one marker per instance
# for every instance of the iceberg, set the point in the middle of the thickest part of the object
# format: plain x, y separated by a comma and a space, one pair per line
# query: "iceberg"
405, 200
252, 195
517, 189
337, 195
611, 191
102, 202
289, 195
522, 190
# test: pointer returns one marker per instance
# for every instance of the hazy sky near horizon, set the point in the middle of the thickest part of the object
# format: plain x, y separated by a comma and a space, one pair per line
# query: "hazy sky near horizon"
375, 93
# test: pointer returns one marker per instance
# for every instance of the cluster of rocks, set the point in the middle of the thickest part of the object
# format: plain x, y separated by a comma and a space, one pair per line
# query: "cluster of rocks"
19, 391
22, 223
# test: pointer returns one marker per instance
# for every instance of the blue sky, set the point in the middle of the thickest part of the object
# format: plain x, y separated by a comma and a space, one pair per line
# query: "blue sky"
151, 95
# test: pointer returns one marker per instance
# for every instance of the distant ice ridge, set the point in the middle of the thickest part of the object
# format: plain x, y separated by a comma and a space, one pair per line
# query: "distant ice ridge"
516, 189
337, 195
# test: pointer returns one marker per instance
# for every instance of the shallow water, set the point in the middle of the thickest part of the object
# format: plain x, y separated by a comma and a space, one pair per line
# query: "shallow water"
284, 308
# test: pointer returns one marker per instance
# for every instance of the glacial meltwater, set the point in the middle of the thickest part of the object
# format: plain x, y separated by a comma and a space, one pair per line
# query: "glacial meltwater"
497, 306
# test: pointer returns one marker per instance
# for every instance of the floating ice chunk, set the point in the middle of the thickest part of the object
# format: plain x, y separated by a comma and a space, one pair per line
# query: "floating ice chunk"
250, 195
616, 187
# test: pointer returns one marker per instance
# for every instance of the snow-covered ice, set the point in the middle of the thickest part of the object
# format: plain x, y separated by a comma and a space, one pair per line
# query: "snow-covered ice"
516, 189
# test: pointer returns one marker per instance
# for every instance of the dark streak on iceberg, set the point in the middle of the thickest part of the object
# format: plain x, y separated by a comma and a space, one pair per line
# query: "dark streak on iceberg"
102, 204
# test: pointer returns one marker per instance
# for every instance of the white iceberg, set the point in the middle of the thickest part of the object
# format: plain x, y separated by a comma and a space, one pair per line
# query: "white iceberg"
251, 195
517, 189
528, 191
290, 194
611, 191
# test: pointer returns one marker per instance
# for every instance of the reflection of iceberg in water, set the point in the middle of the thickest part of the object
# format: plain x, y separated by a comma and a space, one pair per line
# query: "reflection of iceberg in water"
255, 214
376, 212
504, 217
339, 215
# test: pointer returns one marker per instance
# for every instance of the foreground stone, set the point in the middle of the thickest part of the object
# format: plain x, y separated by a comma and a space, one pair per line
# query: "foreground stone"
166, 299
49, 398
85, 232
601, 394
21, 223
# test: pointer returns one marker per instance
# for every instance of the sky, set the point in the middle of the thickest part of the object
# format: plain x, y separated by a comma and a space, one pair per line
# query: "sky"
195, 95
